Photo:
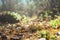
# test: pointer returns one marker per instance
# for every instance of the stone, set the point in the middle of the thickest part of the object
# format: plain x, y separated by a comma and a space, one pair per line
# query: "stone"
14, 38
42, 39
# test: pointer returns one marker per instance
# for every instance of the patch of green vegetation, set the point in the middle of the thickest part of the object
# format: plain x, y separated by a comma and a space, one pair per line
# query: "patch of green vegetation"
0, 26
15, 15
52, 37
55, 23
25, 19
44, 33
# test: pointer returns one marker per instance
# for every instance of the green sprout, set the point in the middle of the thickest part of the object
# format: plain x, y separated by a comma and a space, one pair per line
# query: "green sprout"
55, 23
44, 33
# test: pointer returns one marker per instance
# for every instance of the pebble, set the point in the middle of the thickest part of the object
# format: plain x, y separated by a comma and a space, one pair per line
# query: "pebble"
42, 39
58, 33
14, 38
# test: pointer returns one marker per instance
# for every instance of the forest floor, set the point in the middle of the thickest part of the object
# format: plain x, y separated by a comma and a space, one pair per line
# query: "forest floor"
34, 30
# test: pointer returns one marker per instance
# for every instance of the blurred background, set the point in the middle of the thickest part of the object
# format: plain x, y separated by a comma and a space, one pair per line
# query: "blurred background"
31, 7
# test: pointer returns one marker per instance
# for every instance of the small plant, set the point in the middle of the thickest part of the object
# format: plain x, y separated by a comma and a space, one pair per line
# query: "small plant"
52, 37
25, 19
55, 23
44, 33
14, 15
